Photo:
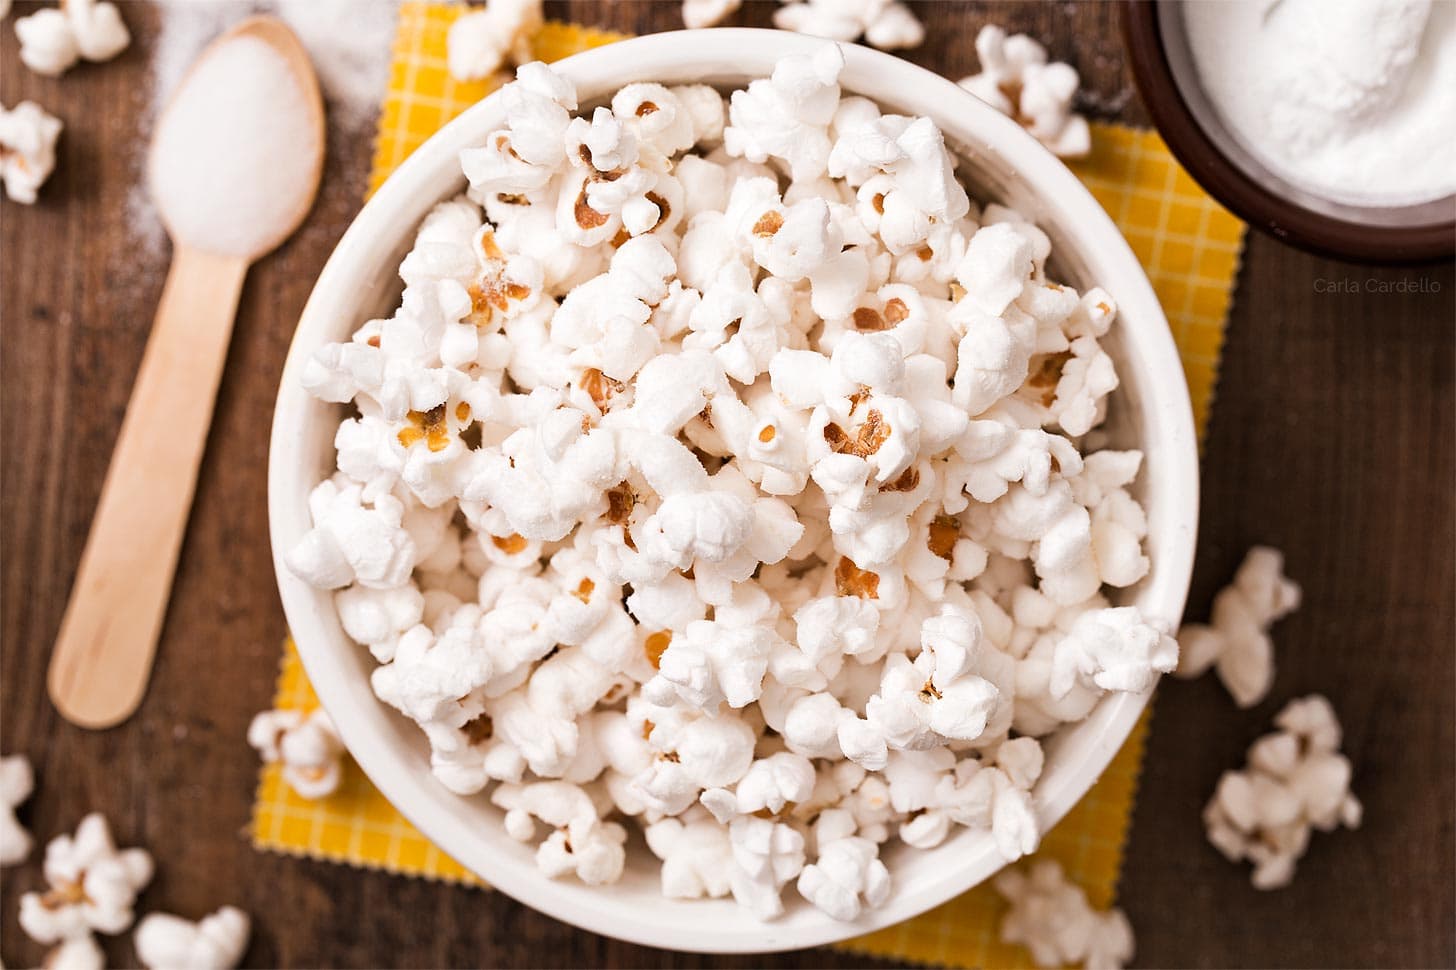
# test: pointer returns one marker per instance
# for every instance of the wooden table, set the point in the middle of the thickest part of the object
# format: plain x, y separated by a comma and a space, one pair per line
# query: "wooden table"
1332, 438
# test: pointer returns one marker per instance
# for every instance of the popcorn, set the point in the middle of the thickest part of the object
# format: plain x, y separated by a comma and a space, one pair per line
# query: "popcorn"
480, 41
902, 166
697, 857
216, 942
379, 617
1113, 648
352, 541
47, 42
580, 843
1296, 780
1016, 80
54, 39
98, 28
27, 148
768, 786
16, 783
727, 475
847, 876
432, 678
660, 121
1052, 918
928, 702
766, 855
787, 116
884, 24
1237, 641
306, 745
984, 793
93, 885
78, 953
522, 157
708, 13
713, 663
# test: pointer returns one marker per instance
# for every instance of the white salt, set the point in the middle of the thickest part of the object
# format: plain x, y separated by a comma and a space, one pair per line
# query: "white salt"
1352, 100
348, 40
234, 155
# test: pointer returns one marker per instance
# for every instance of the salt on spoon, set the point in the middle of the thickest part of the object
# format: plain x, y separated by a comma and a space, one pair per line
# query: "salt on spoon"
233, 168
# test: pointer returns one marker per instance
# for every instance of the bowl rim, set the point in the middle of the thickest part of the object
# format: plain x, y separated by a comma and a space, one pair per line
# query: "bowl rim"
365, 724
1211, 167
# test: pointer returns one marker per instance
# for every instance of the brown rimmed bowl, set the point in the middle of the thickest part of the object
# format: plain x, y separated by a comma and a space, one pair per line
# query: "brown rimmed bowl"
1163, 68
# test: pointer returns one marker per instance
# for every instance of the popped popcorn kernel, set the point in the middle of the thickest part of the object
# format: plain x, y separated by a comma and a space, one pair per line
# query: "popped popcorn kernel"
93, 885
1053, 919
1296, 781
28, 136
1016, 80
216, 942
1236, 643
17, 780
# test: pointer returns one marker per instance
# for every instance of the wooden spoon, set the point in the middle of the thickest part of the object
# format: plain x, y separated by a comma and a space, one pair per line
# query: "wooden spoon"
108, 637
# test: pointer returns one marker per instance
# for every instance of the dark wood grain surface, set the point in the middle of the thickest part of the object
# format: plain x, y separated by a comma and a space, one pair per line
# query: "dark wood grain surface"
1332, 438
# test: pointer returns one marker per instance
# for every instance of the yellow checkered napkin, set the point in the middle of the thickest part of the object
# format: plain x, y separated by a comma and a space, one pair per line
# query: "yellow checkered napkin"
1189, 247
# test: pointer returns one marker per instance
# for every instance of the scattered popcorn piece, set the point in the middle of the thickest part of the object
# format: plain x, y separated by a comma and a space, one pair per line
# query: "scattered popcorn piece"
47, 42
886, 24
483, 39
28, 138
1236, 642
93, 885
722, 470
77, 953
1296, 780
1016, 80
54, 38
307, 746
216, 942
708, 13
1052, 918
17, 780
100, 32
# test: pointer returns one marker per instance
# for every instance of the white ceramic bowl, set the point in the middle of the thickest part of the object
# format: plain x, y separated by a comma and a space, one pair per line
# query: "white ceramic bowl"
1000, 162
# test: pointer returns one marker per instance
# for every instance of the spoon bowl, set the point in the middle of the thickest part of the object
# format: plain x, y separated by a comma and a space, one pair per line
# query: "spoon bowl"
196, 123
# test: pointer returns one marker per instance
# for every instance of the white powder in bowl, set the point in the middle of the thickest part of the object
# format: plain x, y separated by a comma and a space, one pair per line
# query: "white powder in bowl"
234, 155
1350, 100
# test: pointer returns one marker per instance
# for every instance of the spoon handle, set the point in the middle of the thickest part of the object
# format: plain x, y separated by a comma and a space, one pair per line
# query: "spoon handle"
103, 653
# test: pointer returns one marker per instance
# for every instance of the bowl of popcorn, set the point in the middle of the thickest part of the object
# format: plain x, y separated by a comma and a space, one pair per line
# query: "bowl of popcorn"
761, 512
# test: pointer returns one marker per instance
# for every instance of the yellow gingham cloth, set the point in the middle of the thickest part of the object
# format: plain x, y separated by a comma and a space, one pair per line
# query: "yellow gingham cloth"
1189, 247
